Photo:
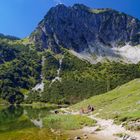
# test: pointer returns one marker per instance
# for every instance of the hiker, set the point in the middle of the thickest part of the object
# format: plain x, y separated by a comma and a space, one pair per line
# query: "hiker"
82, 111
56, 111
90, 108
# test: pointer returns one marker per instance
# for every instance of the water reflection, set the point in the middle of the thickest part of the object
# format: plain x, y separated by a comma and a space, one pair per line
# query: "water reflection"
12, 119
36, 115
18, 122
10, 114
17, 115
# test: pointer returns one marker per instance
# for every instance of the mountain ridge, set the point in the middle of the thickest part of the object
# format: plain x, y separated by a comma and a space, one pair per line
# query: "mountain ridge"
92, 32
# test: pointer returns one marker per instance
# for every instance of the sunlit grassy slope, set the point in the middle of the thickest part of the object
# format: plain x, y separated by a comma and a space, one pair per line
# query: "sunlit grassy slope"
121, 104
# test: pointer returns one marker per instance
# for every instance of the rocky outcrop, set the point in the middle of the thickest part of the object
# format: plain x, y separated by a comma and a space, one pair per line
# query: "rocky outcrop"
81, 28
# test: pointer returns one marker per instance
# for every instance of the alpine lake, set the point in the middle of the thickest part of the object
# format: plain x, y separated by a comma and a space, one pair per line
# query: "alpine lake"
26, 123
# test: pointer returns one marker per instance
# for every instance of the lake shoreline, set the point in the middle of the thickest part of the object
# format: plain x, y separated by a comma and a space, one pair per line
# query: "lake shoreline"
74, 124
104, 129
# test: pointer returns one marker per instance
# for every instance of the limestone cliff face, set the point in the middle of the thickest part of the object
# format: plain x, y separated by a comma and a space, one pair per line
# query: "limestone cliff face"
82, 29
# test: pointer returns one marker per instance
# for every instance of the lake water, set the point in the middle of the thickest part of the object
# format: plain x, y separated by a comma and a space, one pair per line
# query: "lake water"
26, 123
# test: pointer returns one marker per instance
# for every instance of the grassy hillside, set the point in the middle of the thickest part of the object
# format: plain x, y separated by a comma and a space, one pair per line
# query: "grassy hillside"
122, 104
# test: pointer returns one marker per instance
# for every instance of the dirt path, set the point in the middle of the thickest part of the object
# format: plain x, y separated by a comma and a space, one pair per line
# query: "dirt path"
107, 130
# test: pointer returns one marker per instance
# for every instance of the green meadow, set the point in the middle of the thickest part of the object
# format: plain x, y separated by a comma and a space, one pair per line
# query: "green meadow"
121, 104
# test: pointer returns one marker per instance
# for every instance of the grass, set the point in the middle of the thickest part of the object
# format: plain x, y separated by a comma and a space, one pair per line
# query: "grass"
31, 134
121, 104
68, 122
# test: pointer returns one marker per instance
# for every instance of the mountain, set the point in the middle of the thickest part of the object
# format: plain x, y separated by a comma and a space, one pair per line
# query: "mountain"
121, 104
91, 34
8, 37
45, 67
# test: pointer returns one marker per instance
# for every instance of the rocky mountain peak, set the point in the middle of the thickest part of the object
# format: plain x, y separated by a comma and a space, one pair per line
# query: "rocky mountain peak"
83, 29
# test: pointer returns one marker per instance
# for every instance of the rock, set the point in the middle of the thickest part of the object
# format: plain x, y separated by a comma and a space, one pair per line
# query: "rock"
85, 136
125, 137
128, 137
56, 111
77, 138
133, 138
52, 130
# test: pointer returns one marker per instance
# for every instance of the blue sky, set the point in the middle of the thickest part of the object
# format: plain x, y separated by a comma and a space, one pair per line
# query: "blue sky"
20, 17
